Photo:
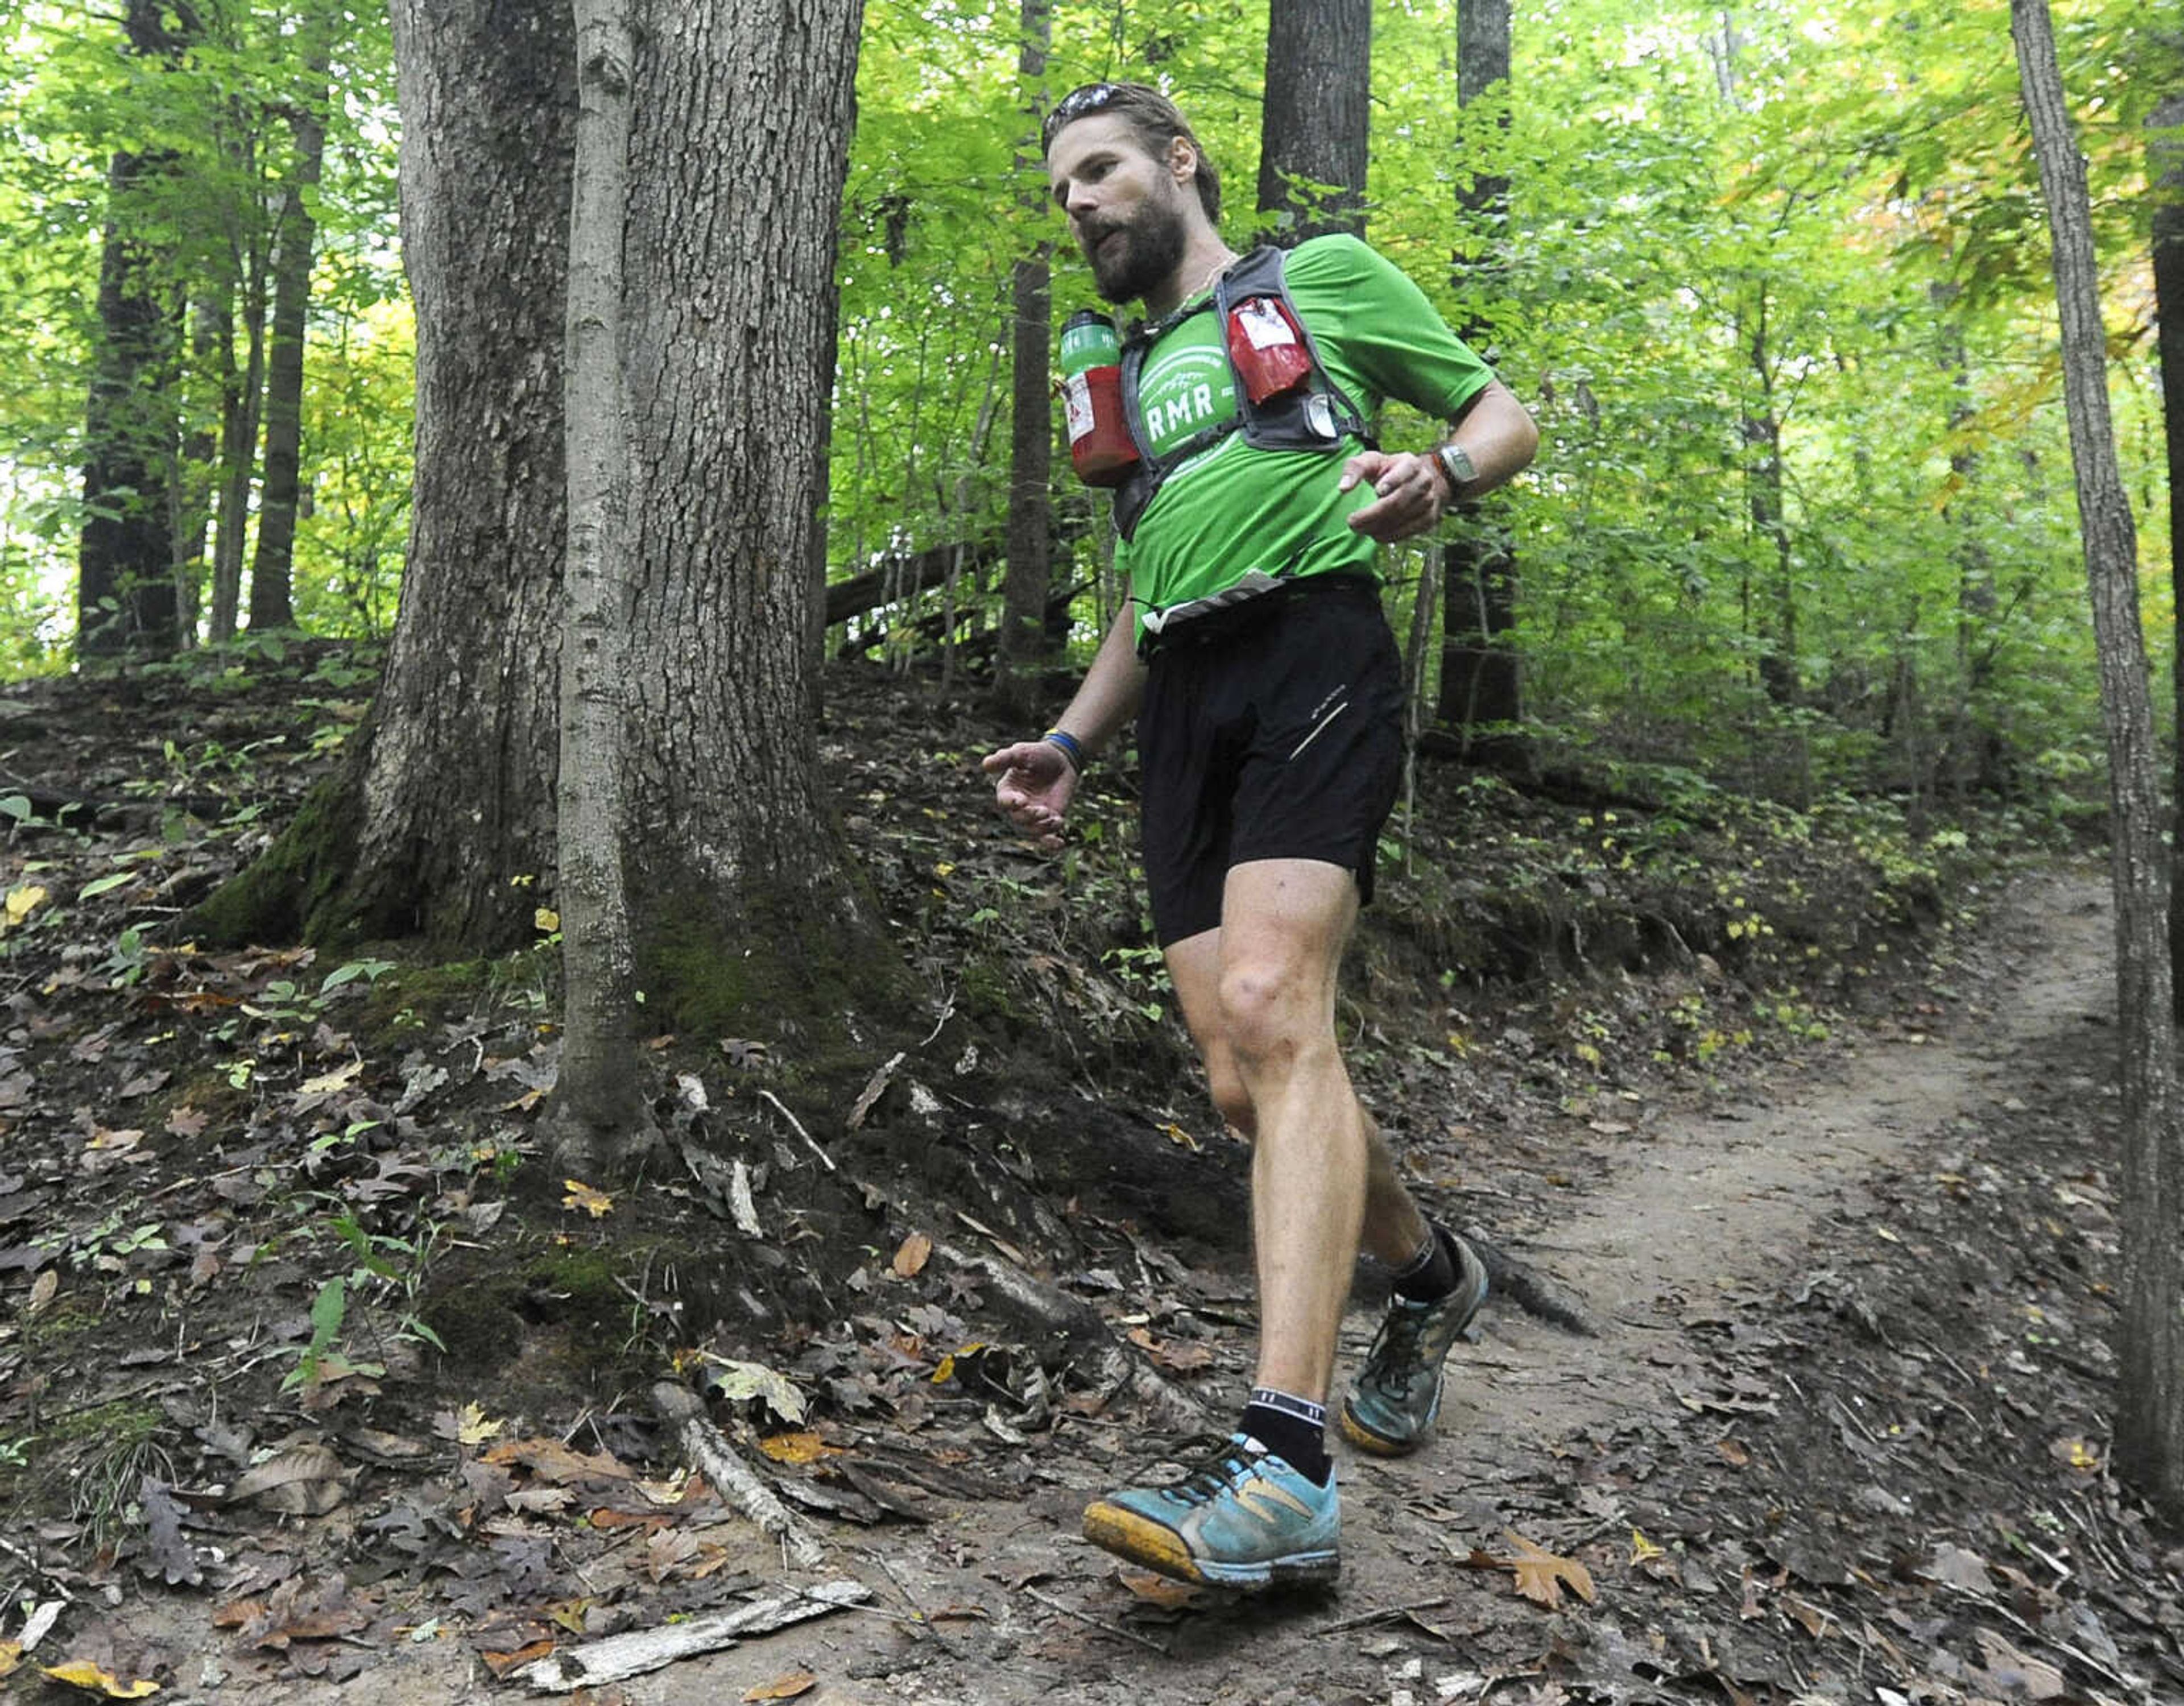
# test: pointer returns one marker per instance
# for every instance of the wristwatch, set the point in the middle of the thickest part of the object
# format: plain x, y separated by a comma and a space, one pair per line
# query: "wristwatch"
1455, 465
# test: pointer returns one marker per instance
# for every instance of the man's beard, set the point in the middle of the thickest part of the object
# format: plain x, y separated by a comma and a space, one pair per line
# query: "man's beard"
1150, 250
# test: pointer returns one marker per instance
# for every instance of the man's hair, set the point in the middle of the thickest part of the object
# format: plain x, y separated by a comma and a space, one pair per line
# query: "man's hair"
1153, 119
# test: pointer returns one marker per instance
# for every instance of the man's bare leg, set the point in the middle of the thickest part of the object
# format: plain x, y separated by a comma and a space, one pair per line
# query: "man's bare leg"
1259, 995
1394, 1229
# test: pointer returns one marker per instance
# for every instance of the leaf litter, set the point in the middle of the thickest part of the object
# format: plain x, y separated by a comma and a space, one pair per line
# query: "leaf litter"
264, 1137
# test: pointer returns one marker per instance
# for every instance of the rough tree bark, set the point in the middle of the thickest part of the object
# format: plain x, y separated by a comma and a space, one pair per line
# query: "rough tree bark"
1481, 696
272, 603
2149, 1423
1022, 642
1316, 124
738, 883
598, 1104
126, 567
445, 812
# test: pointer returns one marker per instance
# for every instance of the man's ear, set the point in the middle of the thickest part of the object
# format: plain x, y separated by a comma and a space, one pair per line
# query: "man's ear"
1182, 160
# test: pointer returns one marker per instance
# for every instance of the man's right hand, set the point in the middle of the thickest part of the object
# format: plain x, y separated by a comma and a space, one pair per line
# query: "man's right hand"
1034, 784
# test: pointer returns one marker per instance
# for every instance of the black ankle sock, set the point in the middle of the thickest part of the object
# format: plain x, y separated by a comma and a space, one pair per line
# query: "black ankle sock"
1432, 1274
1292, 1428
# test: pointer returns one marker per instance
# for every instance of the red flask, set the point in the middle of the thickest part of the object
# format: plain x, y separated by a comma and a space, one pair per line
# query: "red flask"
1267, 347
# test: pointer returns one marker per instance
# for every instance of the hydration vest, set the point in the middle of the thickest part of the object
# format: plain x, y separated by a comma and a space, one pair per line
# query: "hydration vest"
1315, 416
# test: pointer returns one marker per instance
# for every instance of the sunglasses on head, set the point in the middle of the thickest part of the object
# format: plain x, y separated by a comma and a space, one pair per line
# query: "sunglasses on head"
1074, 105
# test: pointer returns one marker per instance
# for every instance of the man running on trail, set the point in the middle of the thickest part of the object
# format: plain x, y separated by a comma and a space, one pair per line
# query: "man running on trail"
1269, 696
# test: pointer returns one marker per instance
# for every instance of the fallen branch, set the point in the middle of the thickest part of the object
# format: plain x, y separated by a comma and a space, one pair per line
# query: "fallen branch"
597, 1662
715, 1458
825, 1159
1052, 1604
1042, 1307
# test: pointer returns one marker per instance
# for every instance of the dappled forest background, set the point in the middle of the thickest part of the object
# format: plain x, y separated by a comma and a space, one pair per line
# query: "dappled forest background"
1772, 277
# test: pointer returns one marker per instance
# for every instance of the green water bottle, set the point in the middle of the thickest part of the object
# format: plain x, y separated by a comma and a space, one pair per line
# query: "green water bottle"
1100, 445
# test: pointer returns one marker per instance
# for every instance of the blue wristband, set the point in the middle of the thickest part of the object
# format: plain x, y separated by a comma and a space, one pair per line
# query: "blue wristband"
1070, 750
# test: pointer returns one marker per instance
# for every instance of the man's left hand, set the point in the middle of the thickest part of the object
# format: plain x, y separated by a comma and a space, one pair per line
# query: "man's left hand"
1409, 493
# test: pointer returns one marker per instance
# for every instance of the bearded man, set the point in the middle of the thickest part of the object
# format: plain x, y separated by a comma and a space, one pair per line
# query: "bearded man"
1268, 700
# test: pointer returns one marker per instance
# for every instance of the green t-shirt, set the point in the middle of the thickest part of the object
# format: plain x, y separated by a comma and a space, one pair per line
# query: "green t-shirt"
1231, 508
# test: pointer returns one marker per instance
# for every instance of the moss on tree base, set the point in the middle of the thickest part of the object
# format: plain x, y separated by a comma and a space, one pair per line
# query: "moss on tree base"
297, 890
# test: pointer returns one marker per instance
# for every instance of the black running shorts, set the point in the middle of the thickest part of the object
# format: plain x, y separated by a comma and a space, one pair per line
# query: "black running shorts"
1272, 729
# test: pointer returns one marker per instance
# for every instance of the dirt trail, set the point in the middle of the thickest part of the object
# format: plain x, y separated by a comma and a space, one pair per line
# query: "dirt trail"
1699, 1207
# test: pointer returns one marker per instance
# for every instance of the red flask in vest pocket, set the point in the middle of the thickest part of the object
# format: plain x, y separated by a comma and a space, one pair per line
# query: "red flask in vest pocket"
1100, 445
1267, 347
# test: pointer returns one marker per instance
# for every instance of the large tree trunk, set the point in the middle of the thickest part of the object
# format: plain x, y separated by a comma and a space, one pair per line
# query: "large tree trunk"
737, 881
2165, 171
1481, 695
1316, 123
2149, 1423
458, 797
272, 579
1021, 641
126, 567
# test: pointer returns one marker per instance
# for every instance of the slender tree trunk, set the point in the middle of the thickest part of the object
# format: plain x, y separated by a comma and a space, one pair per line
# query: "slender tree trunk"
2149, 1426
1316, 118
2165, 172
200, 465
1763, 500
598, 1103
272, 573
1022, 643
1481, 680
126, 567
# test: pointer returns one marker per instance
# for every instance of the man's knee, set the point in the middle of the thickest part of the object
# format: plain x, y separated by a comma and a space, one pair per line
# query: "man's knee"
1267, 1016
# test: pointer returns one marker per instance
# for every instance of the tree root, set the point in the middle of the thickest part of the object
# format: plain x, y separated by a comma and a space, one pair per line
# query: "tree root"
1524, 1286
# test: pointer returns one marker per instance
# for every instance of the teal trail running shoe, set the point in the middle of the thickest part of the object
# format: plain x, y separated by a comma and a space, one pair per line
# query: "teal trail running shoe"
1243, 1519
1394, 1401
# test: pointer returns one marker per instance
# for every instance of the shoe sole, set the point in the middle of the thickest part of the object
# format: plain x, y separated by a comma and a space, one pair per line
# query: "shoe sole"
1379, 1445
1126, 1534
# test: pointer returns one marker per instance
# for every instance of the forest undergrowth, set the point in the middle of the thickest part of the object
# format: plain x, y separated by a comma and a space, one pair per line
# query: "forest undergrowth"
295, 1317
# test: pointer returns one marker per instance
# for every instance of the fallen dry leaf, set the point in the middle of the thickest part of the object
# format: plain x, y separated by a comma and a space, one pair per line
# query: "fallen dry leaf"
910, 1259
793, 1448
500, 1664
596, 1203
81, 1673
786, 1686
303, 1479
1157, 1590
11, 1655
551, 1461
340, 1077
1541, 1576
42, 1291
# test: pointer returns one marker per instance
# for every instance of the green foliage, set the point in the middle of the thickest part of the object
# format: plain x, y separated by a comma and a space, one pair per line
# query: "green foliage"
215, 121
1774, 280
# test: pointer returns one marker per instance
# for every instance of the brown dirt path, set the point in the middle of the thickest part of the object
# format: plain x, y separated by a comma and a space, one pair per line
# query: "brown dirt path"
1689, 1257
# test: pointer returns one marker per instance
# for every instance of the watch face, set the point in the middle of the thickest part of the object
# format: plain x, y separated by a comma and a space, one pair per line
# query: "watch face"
1456, 464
